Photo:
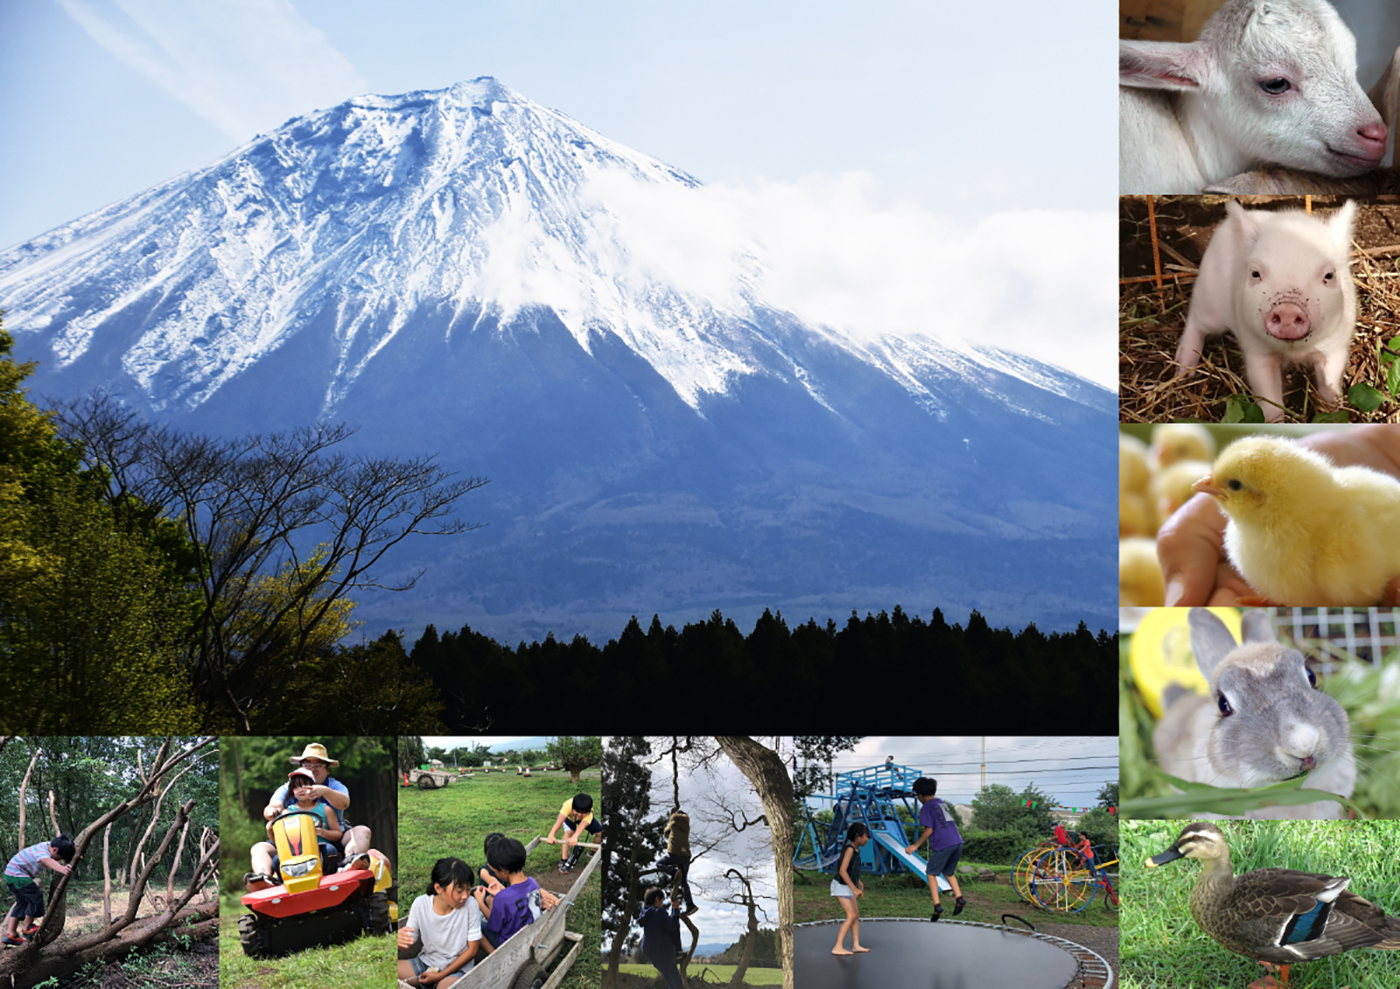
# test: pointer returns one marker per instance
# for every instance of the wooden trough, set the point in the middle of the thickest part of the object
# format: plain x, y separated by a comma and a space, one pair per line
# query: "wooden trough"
523, 961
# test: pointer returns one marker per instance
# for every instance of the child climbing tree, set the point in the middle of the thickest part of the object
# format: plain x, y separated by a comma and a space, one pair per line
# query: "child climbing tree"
153, 794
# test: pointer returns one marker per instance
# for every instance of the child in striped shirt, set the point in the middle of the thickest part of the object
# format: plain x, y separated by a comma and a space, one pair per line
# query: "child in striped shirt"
21, 876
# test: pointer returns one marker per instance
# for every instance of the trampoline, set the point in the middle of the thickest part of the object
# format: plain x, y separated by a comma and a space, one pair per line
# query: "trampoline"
949, 954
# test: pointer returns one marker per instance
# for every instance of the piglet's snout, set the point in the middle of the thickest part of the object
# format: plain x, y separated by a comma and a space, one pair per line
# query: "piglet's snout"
1288, 321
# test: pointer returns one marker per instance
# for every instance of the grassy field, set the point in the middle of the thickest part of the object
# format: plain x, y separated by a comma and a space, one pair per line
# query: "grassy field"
908, 896
364, 964
1162, 948
716, 973
455, 821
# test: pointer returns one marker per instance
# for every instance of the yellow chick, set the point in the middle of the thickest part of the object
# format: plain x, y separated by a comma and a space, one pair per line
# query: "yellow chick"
1174, 486
1302, 531
1173, 442
1139, 575
1133, 473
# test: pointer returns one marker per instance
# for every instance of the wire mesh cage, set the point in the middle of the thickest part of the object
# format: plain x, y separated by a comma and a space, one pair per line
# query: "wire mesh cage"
1337, 634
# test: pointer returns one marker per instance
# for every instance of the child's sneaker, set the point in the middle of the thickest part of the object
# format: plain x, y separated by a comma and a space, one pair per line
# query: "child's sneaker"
958, 904
937, 912
10, 941
563, 866
30, 931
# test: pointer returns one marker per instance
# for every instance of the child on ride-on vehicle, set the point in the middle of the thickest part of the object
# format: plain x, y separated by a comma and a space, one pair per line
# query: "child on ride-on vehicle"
329, 833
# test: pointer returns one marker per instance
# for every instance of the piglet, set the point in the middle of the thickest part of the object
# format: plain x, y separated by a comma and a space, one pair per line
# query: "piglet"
1281, 282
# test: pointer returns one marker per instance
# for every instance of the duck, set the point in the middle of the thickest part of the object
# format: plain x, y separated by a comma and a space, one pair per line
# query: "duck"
1276, 916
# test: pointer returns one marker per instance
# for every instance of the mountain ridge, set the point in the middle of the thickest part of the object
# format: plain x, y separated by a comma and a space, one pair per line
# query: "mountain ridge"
463, 271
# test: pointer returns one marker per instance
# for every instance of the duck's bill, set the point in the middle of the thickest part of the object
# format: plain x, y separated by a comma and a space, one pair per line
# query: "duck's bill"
1170, 855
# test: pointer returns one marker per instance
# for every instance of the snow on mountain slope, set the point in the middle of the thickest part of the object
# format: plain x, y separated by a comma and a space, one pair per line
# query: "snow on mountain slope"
465, 273
380, 206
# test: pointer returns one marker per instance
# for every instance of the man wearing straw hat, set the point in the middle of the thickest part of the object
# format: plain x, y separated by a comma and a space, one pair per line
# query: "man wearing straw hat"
316, 761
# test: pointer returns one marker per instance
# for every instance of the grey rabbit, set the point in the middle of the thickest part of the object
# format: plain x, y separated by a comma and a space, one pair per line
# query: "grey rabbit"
1264, 721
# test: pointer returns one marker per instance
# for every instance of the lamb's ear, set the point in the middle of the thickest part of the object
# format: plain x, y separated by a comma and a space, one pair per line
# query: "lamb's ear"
1211, 641
1257, 627
1161, 65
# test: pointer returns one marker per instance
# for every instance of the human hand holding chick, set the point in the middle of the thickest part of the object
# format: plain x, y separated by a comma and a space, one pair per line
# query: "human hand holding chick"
1191, 544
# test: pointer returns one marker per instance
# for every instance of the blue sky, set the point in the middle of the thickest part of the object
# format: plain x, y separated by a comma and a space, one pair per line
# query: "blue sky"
921, 113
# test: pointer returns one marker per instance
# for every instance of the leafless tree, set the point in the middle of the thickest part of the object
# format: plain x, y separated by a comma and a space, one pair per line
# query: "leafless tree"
285, 507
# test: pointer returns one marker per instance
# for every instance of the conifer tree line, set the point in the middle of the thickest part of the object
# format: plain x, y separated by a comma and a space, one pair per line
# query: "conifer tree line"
974, 674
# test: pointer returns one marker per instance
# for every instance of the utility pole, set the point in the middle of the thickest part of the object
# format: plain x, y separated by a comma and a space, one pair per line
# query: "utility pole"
984, 762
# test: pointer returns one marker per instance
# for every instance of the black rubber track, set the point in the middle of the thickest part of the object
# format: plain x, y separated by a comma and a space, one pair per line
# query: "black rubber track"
907, 954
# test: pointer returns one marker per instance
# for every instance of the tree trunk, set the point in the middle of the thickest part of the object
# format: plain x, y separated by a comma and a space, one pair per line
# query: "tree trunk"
769, 776
144, 932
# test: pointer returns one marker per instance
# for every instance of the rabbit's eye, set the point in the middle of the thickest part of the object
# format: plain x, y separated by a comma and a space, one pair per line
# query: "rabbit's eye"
1312, 677
1225, 709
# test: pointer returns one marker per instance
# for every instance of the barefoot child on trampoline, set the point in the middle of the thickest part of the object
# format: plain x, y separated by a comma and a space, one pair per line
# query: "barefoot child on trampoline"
944, 844
847, 886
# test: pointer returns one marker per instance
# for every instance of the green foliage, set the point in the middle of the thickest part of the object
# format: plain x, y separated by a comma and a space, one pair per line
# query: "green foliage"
95, 599
1242, 408
765, 949
90, 775
999, 847
999, 808
576, 752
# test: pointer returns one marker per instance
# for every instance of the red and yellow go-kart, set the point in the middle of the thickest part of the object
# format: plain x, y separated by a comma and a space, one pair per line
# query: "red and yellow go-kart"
311, 908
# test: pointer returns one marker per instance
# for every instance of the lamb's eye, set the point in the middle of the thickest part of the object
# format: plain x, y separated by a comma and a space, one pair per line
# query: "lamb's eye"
1225, 709
1235, 484
1255, 272
1329, 276
1274, 87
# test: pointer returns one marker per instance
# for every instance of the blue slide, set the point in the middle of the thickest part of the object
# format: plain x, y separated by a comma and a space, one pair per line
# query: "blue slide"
892, 838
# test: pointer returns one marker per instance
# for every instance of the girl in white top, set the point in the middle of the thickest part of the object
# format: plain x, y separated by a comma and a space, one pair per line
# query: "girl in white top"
448, 922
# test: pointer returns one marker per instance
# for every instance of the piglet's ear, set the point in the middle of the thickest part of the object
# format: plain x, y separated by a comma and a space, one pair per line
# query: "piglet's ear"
1342, 223
1160, 65
1245, 222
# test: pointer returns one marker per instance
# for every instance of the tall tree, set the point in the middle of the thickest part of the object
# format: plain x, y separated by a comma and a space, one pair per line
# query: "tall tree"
576, 753
250, 507
94, 610
632, 839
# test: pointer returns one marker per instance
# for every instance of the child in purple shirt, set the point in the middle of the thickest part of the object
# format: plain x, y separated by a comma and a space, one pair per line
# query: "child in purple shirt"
944, 844
519, 901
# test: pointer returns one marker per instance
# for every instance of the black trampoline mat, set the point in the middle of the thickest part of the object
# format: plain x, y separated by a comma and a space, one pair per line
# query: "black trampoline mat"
927, 955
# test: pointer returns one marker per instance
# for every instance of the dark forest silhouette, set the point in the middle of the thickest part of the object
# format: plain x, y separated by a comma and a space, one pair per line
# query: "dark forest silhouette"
879, 670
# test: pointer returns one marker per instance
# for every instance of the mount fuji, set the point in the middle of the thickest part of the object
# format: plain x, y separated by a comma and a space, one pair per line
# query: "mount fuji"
465, 272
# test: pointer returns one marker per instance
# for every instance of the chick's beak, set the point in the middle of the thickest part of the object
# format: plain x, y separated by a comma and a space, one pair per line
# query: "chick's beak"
1207, 485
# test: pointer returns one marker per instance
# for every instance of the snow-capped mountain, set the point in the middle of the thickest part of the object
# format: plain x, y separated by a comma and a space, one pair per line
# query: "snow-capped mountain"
464, 271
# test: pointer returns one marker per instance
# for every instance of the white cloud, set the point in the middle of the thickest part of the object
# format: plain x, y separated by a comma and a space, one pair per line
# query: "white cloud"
1037, 282
244, 65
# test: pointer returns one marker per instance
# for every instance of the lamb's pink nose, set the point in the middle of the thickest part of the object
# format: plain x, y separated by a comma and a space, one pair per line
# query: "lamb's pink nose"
1287, 321
1372, 140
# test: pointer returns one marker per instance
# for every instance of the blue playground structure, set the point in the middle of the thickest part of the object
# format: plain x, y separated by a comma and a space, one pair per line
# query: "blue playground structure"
872, 795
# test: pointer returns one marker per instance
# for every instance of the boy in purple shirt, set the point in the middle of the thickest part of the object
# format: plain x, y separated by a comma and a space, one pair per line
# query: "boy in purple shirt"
944, 844
519, 901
